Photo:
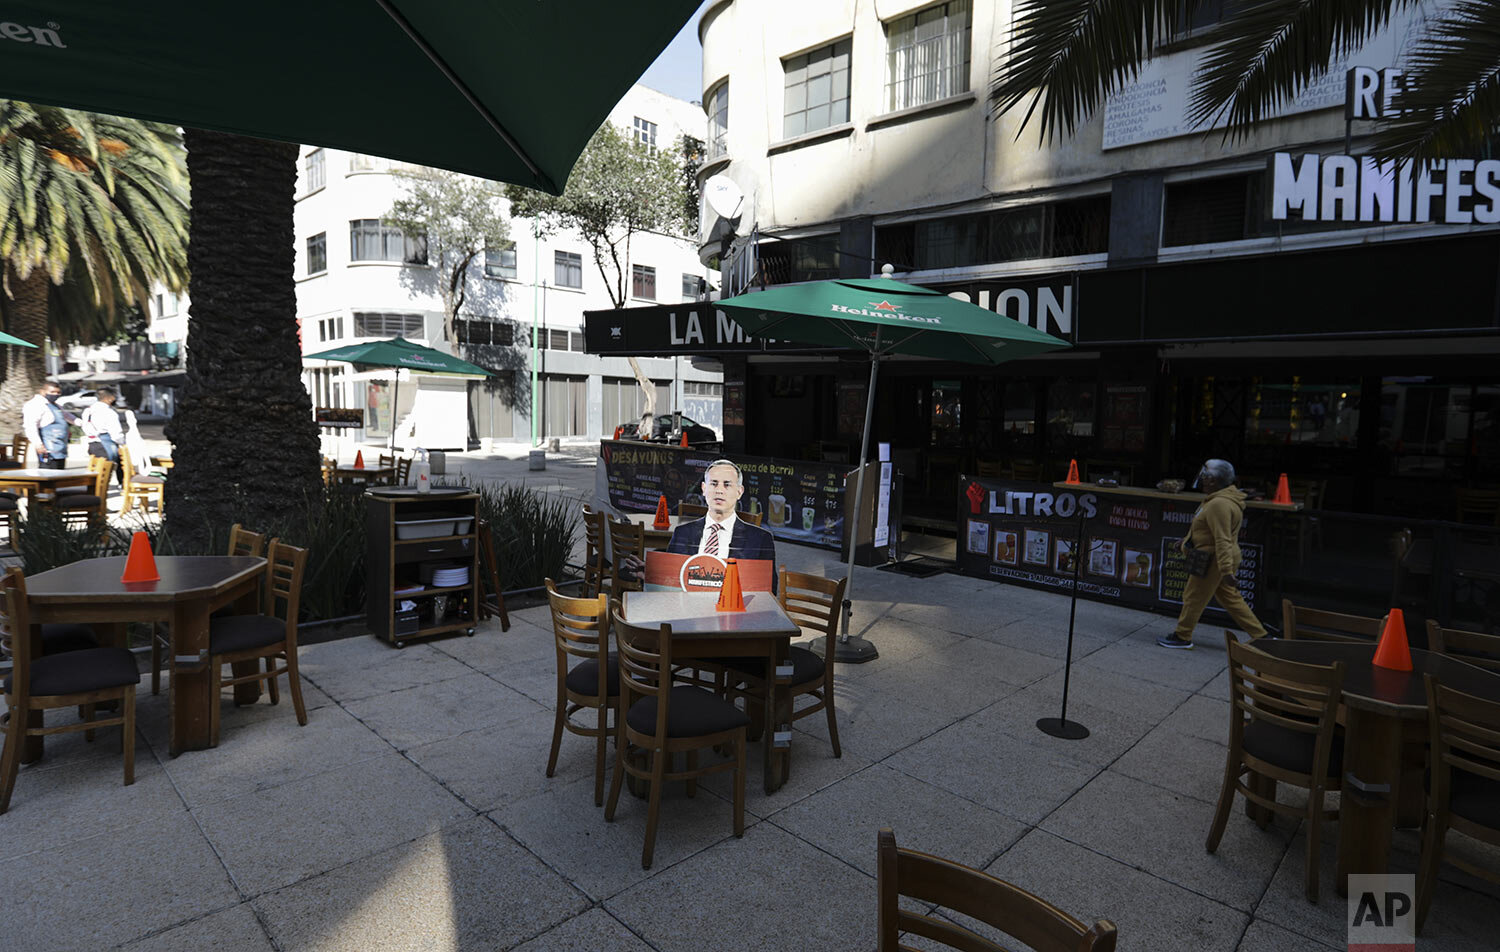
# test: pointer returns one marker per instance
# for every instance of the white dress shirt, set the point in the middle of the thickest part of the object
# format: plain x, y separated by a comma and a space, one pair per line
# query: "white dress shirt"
726, 530
101, 417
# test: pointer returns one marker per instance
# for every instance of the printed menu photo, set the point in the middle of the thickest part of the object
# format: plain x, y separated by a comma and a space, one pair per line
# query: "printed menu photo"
1038, 546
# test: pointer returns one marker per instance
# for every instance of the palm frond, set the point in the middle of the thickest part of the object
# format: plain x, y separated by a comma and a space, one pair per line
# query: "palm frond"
1067, 56
1450, 102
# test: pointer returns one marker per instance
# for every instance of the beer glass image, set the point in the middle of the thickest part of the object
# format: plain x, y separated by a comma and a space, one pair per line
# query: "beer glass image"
778, 509
809, 515
752, 506
1137, 568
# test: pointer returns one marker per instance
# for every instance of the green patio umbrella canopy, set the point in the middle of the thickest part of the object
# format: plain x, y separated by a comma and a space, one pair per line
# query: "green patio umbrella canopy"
399, 352
883, 317
14, 341
503, 90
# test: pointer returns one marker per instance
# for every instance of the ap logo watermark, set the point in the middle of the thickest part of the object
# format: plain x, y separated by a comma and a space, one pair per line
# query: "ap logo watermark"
1382, 913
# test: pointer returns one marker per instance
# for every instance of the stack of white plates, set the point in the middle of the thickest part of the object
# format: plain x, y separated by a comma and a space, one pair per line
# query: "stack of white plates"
451, 577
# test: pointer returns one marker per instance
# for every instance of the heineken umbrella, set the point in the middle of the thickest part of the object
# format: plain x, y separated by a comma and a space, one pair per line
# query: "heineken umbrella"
883, 317
503, 90
398, 352
14, 341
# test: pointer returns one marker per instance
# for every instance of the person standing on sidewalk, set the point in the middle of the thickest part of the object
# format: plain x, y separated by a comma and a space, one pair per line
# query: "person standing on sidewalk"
1213, 550
101, 424
46, 426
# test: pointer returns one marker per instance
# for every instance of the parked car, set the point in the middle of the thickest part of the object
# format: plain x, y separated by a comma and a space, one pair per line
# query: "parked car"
78, 401
669, 429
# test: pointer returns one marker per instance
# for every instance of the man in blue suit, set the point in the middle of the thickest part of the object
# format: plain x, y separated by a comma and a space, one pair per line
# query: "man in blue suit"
721, 532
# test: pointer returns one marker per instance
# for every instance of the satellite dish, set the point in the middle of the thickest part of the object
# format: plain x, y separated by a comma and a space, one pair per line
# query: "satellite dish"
723, 196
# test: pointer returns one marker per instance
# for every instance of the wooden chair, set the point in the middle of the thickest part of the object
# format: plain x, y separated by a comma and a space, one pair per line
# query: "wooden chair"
89, 506
596, 564
932, 880
813, 602
1281, 730
580, 629
990, 467
1025, 470
1465, 789
1476, 648
625, 538
387, 459
272, 636
489, 577
1314, 624
329, 466
1479, 506
13, 456
403, 470
144, 488
242, 542
657, 720
82, 679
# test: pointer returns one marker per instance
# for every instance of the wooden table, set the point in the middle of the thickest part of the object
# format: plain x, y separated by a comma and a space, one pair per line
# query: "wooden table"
761, 630
1378, 704
190, 589
655, 536
33, 481
363, 474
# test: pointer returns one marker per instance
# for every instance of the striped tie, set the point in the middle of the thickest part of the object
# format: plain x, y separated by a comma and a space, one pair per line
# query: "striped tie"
713, 539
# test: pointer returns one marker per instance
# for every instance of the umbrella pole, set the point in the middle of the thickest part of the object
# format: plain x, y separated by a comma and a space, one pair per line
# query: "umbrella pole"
395, 409
858, 650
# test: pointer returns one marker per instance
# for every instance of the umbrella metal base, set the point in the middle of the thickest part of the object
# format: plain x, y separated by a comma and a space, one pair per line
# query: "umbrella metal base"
852, 651
1065, 729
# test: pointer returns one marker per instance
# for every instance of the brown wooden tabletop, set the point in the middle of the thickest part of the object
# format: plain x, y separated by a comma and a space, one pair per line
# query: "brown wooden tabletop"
351, 472
1401, 694
43, 475
182, 577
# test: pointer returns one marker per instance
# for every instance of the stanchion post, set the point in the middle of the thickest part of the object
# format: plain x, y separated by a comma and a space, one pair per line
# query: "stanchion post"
1060, 726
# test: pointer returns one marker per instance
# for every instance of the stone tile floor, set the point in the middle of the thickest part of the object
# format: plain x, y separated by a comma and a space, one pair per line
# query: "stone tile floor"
412, 812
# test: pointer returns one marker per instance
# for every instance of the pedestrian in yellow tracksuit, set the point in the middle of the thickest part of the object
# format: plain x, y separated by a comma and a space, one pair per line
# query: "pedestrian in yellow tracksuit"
1215, 529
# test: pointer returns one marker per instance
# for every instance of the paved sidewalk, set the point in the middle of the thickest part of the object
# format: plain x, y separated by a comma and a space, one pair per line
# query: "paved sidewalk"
412, 812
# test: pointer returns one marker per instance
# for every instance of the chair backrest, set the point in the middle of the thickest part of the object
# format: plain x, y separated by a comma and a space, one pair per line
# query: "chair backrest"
690, 510
1315, 624
1464, 735
1474, 647
813, 602
101, 467
19, 445
645, 654
1287, 694
1480, 506
244, 542
1014, 911
625, 538
990, 467
329, 465
285, 565
580, 627
15, 632
387, 459
753, 518
1025, 470
403, 470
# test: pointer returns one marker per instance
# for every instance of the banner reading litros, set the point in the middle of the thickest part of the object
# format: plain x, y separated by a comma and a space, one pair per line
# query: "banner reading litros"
1028, 533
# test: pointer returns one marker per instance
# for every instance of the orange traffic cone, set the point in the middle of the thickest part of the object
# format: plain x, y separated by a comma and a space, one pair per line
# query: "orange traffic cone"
663, 518
1283, 495
359, 459
140, 564
731, 597
618, 430
684, 442
1072, 479
1393, 651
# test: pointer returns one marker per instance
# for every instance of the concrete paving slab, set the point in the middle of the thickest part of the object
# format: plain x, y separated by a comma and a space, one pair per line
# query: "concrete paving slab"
496, 652
1150, 913
1014, 665
799, 878
1201, 716
354, 668
842, 819
158, 873
233, 928
944, 689
813, 767
1263, 936
430, 712
899, 641
1183, 670
1151, 829
54, 806
153, 717
495, 766
1111, 733
1171, 760
593, 931
1046, 634
277, 836
1115, 691
468, 886
871, 725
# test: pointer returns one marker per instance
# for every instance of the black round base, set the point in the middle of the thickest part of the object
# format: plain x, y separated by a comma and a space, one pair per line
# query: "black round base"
1057, 727
853, 651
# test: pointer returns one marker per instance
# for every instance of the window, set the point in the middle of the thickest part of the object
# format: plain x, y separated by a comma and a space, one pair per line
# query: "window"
643, 282
717, 108
697, 388
368, 324
800, 259
317, 253
817, 90
370, 239
1198, 18
567, 269
486, 331
314, 171
500, 262
645, 134
927, 55
166, 305
691, 287
1043, 230
331, 328
359, 162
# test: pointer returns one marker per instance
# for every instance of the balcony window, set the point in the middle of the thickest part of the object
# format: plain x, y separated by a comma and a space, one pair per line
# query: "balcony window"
717, 108
370, 239
816, 90
927, 55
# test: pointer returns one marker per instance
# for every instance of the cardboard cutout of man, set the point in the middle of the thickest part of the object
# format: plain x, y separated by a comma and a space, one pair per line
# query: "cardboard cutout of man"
721, 533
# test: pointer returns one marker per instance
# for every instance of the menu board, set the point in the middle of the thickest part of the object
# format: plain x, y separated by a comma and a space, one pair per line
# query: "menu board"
1029, 533
797, 500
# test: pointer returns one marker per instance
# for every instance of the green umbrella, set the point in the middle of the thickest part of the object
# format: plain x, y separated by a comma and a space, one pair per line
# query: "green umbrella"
883, 317
14, 341
400, 353
503, 90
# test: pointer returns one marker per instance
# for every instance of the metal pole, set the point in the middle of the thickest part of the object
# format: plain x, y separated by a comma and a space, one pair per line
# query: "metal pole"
1061, 727
857, 650
536, 289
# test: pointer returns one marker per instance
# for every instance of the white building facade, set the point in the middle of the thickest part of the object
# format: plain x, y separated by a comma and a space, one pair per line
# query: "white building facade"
356, 282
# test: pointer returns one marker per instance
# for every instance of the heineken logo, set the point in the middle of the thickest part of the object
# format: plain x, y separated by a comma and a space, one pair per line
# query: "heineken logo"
40, 35
885, 309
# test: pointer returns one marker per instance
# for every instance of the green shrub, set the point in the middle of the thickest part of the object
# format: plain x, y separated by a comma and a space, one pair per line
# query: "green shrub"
533, 533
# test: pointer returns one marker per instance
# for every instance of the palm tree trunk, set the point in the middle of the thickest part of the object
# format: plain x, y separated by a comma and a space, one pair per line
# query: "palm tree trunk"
245, 444
25, 367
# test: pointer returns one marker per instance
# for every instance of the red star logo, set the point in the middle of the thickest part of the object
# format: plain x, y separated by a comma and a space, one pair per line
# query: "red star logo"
885, 306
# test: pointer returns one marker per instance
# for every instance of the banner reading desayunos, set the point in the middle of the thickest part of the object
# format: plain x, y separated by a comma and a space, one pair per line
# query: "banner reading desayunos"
1027, 533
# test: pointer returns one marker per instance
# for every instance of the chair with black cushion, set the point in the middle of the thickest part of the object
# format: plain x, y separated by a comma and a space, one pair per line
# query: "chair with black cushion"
1464, 794
625, 538
812, 602
242, 542
580, 630
1476, 648
657, 720
1282, 721
1315, 624
88, 506
936, 882
596, 564
271, 635
83, 679
142, 488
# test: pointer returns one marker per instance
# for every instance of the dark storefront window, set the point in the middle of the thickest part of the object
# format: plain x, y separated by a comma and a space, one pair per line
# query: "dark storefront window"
947, 413
800, 259
1231, 208
1428, 424
1070, 417
1051, 230
1020, 419
1298, 411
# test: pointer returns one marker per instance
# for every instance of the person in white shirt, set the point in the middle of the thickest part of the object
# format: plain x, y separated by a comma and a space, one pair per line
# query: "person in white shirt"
101, 424
46, 426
